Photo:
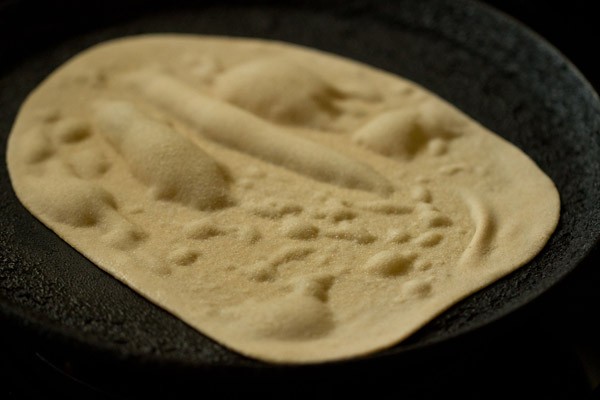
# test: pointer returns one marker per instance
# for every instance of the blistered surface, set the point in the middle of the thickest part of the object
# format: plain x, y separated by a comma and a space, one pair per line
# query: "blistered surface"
292, 205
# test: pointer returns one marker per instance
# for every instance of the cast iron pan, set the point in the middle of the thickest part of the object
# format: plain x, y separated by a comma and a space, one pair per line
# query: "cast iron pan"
485, 63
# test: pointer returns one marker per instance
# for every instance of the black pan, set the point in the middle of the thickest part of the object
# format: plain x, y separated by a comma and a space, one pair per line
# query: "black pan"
488, 65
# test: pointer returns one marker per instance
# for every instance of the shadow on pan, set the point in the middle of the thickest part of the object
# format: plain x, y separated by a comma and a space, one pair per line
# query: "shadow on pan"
489, 66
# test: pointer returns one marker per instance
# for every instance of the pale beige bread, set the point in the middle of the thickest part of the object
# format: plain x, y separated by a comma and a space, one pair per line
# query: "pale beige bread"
172, 166
244, 132
293, 205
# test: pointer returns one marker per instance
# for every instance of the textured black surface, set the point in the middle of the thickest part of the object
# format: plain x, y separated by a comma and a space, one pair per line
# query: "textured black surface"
488, 66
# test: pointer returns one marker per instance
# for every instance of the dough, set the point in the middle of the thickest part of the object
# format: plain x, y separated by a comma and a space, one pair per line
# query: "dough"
293, 205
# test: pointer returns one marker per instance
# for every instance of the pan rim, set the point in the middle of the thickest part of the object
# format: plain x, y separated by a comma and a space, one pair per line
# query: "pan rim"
6, 308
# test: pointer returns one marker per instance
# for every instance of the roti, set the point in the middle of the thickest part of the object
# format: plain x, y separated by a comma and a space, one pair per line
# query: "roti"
293, 205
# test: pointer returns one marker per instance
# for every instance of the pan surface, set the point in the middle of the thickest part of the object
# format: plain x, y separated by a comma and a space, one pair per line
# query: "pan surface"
486, 64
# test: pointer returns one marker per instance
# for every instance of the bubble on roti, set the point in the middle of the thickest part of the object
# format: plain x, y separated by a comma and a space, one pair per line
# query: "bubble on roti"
292, 205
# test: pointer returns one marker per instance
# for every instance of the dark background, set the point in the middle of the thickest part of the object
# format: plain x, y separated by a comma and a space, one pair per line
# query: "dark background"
549, 349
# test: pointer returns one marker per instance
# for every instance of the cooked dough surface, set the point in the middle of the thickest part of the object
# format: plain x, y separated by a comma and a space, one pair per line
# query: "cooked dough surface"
292, 205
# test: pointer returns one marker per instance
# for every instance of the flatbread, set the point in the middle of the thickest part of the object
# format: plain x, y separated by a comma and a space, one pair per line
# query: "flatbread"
293, 205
